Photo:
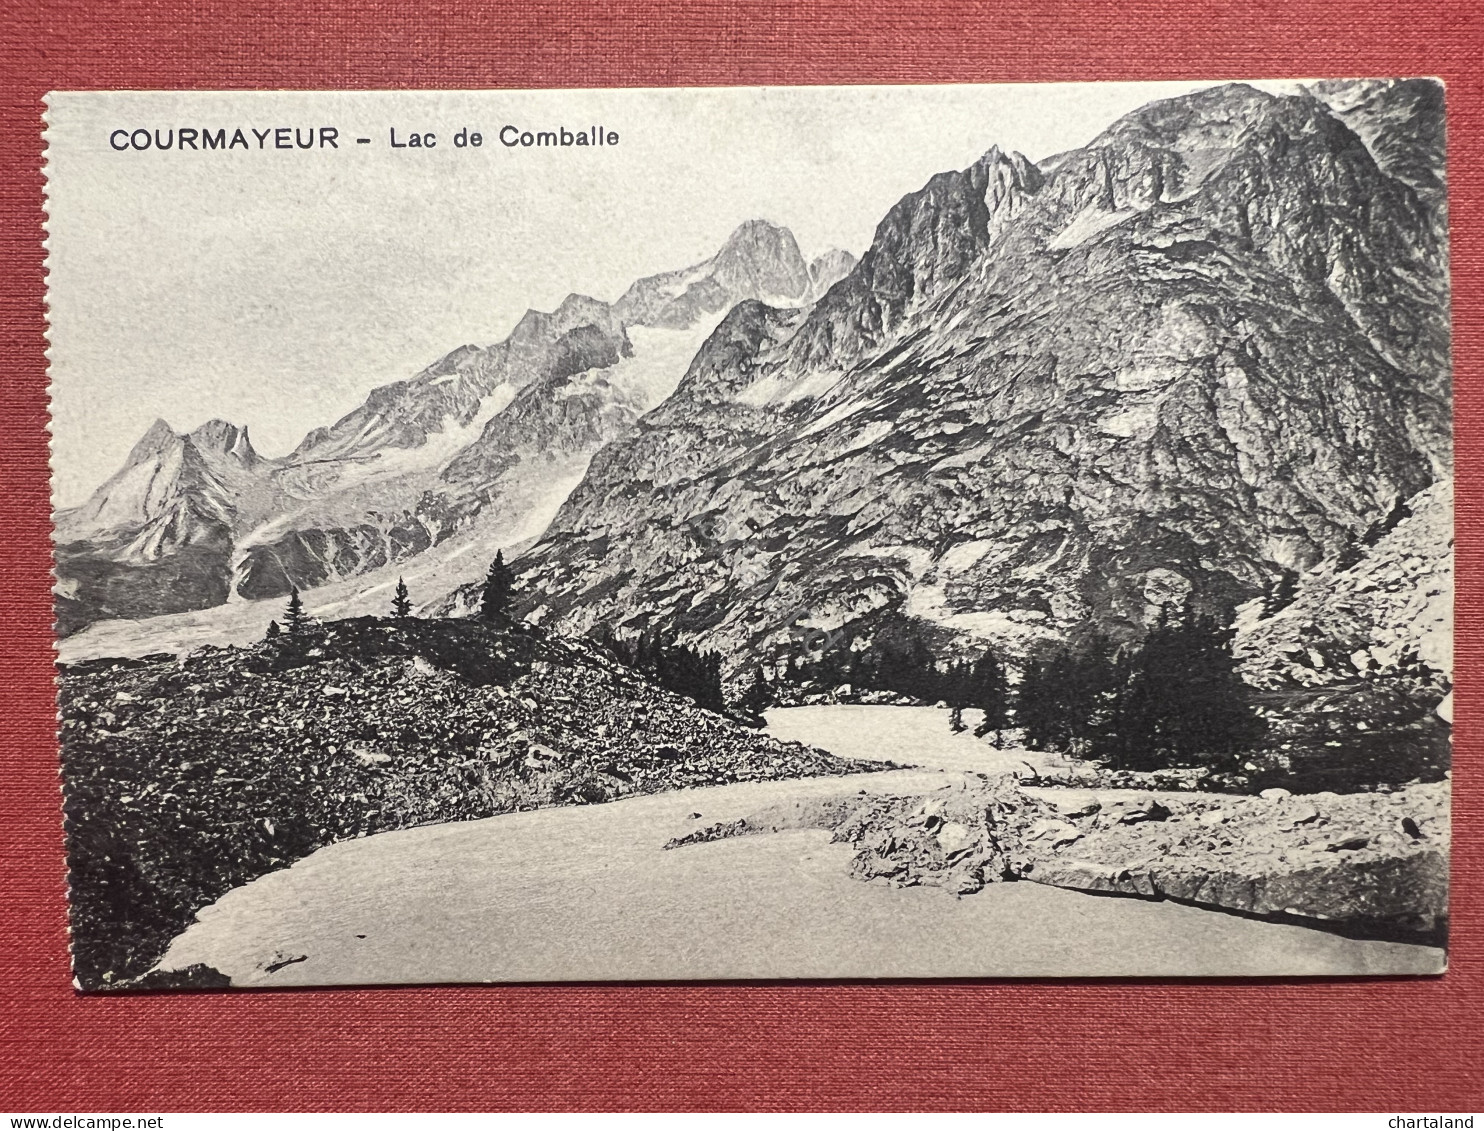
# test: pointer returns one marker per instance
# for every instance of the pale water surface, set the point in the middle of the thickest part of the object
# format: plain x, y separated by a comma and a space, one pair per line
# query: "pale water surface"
588, 893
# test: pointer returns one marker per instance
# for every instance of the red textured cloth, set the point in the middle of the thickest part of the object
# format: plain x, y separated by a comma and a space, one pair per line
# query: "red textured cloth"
1328, 1045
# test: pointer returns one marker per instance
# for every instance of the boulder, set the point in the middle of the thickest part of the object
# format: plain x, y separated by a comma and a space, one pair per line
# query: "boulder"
1134, 810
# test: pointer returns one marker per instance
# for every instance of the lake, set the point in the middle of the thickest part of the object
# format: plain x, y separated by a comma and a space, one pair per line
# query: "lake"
588, 893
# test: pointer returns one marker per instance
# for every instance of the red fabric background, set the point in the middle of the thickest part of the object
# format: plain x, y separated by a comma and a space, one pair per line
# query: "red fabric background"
1333, 1045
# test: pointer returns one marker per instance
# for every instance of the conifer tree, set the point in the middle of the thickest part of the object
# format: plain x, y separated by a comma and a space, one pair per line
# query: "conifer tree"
401, 604
921, 673
1093, 675
958, 690
1065, 701
990, 692
273, 630
295, 617
759, 694
1034, 709
678, 667
715, 698
499, 587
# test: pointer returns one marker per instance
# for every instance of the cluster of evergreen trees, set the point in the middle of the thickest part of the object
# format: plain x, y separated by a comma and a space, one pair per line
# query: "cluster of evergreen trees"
678, 667
295, 619
1173, 699
983, 684
907, 667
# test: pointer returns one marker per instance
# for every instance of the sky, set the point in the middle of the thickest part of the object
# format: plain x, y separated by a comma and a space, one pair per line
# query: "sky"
276, 288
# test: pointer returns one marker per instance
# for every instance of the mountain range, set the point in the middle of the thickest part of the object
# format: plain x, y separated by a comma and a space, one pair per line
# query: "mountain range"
481, 446
1205, 351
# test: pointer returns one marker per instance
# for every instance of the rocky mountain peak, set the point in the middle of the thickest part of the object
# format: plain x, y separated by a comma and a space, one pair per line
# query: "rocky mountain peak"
926, 243
166, 472
758, 260
1207, 347
1216, 115
762, 259
537, 328
489, 436
158, 437
828, 269
1009, 180
224, 439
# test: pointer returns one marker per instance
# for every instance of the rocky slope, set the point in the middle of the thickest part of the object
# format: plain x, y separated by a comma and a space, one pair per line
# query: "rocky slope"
1375, 608
1357, 670
1402, 123
1373, 864
1207, 347
186, 777
482, 444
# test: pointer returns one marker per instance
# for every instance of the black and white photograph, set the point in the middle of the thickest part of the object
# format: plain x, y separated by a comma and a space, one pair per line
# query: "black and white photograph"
965, 531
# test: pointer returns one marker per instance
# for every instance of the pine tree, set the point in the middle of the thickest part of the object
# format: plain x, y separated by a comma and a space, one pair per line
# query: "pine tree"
759, 694
273, 630
1093, 674
715, 697
499, 587
1034, 709
990, 692
677, 667
958, 690
401, 605
922, 672
295, 618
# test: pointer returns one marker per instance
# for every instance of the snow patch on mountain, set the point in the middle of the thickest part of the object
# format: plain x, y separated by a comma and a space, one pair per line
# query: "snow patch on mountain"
659, 361
1086, 224
779, 389
1013, 632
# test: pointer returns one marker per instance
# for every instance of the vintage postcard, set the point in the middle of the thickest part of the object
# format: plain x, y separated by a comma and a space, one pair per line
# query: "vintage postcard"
966, 531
